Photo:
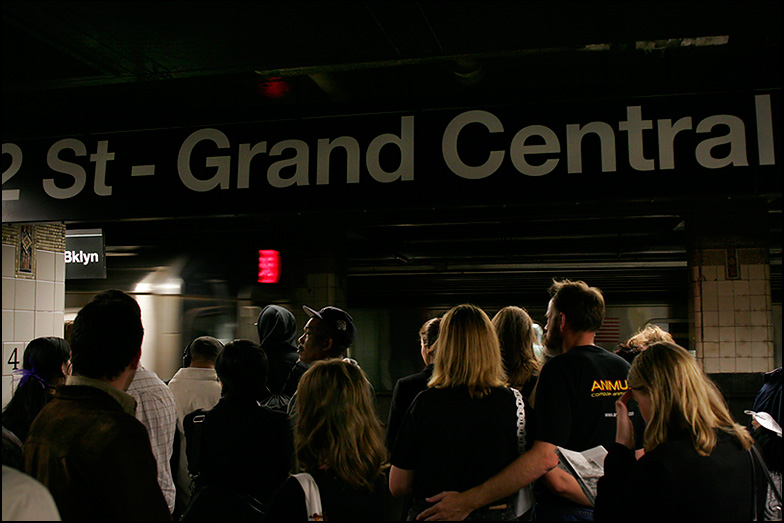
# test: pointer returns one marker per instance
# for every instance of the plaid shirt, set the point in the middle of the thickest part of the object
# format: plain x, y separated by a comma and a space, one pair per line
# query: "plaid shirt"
157, 410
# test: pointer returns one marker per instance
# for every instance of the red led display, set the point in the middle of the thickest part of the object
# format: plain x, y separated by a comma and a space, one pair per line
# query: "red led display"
269, 266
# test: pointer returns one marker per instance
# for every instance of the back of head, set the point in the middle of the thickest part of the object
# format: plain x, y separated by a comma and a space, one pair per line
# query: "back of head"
516, 337
42, 368
276, 326
106, 336
683, 398
44, 358
428, 334
582, 305
337, 425
242, 369
649, 335
204, 350
467, 352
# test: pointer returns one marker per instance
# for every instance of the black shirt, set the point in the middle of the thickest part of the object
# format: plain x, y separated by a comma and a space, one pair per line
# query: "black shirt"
453, 441
406, 389
576, 395
244, 446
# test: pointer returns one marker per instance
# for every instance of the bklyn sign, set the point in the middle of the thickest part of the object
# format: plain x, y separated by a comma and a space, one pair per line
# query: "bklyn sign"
85, 255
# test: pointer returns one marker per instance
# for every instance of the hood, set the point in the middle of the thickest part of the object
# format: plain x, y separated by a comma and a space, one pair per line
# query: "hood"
276, 326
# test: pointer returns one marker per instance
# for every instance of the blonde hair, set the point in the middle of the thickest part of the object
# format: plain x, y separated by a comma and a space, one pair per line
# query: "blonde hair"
516, 337
467, 352
336, 424
649, 335
682, 397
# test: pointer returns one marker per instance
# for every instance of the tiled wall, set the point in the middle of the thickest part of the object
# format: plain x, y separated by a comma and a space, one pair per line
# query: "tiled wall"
33, 293
733, 323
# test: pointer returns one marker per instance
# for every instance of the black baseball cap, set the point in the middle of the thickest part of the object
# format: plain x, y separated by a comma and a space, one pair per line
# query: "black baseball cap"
339, 321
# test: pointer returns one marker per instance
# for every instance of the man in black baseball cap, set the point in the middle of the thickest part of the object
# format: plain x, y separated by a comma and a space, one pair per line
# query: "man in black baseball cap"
328, 334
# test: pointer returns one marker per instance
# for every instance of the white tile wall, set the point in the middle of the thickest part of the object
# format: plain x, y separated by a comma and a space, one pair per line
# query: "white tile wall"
733, 319
31, 308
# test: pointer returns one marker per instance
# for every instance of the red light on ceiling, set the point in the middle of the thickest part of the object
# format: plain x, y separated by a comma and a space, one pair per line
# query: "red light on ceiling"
269, 266
275, 87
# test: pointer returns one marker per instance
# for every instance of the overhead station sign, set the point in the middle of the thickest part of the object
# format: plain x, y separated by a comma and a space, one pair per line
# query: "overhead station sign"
650, 147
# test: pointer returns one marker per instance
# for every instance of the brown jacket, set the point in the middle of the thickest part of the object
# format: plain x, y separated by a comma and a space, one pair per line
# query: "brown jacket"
95, 458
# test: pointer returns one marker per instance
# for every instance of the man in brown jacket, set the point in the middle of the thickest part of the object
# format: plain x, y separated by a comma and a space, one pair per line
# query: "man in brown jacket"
86, 446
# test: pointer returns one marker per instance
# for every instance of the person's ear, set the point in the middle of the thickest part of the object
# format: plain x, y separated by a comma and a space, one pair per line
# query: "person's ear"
135, 361
326, 347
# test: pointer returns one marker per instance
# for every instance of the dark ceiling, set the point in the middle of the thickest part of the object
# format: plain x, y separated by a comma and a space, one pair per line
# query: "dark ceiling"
71, 67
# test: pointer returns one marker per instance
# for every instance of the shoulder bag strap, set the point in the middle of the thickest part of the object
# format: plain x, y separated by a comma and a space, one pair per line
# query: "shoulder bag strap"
520, 420
524, 498
312, 496
194, 461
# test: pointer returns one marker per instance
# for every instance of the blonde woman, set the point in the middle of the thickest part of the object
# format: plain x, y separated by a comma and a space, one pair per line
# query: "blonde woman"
339, 441
697, 463
516, 336
462, 430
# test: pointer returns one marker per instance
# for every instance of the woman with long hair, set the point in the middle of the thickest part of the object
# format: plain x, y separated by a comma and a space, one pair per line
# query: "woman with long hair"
45, 365
339, 442
698, 463
516, 336
463, 429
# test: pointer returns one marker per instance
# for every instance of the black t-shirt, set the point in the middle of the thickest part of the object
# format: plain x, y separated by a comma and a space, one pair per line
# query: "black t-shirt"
339, 501
455, 442
575, 399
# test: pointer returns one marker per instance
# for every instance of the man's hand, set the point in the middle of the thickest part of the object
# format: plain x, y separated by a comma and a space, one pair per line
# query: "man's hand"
624, 430
448, 506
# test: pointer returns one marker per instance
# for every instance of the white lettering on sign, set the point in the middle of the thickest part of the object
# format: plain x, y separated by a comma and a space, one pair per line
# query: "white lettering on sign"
76, 171
294, 168
720, 141
82, 257
223, 163
733, 131
15, 152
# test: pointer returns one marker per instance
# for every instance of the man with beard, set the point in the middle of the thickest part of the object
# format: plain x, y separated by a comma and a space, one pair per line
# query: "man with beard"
575, 409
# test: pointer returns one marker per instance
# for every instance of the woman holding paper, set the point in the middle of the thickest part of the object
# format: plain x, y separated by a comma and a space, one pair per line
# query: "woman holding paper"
697, 463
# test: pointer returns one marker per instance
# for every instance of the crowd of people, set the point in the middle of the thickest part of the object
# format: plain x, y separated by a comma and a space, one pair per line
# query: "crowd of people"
288, 428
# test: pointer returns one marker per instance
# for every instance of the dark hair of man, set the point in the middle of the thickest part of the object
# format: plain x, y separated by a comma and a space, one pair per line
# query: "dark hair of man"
582, 305
107, 334
429, 331
242, 369
205, 349
44, 358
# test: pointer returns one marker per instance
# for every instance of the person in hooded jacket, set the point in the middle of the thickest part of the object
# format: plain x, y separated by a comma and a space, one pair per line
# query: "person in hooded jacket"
277, 330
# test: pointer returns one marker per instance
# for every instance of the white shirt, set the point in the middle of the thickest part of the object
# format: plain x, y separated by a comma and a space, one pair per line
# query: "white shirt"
26, 499
158, 411
194, 388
